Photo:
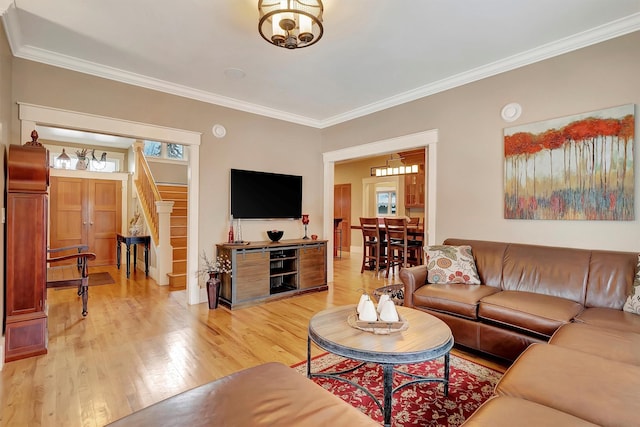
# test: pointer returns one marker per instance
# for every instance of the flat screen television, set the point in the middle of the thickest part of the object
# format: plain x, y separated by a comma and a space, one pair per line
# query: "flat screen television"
265, 195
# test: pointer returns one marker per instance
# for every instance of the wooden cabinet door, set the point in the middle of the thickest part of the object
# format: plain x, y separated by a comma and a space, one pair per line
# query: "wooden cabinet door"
251, 275
313, 266
26, 254
414, 189
86, 211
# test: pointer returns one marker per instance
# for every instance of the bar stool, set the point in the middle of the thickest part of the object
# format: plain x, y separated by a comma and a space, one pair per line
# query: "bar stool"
373, 251
401, 251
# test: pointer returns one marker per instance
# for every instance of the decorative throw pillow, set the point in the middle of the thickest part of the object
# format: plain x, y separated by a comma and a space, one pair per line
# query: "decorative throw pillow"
451, 264
633, 301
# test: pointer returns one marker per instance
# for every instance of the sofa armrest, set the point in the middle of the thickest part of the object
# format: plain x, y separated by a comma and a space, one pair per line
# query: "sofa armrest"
412, 279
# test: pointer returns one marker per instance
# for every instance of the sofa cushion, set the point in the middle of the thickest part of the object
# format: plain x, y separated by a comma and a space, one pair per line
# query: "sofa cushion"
609, 343
456, 298
451, 264
632, 304
537, 313
601, 391
503, 411
266, 395
610, 318
559, 272
610, 278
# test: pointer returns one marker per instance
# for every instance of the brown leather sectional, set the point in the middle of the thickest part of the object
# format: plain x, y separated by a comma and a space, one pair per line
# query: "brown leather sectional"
527, 293
589, 371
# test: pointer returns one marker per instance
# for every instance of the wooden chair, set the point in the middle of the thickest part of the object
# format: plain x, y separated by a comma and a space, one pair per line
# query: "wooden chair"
413, 225
373, 250
71, 274
401, 250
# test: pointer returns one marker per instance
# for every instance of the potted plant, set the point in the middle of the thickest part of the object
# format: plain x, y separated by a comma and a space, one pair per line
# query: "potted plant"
212, 270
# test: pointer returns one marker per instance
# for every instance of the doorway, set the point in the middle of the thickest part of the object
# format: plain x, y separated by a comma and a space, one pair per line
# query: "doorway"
32, 115
342, 216
427, 139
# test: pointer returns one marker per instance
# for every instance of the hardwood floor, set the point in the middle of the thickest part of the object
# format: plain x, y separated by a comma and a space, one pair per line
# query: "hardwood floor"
142, 343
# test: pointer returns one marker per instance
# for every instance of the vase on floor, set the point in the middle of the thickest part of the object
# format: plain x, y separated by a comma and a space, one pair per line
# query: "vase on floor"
213, 290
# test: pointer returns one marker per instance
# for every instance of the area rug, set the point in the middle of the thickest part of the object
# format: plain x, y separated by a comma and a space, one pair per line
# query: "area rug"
95, 279
415, 405
102, 278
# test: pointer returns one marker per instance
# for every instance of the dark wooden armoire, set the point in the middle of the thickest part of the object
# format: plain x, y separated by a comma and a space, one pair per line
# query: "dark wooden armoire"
26, 250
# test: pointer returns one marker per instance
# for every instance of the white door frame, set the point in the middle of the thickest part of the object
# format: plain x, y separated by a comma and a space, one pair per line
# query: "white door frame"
31, 115
427, 139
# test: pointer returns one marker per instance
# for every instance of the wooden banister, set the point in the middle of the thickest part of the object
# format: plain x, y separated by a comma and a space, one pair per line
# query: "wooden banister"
148, 193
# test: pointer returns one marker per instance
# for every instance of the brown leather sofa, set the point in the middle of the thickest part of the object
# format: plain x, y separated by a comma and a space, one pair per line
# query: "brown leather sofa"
586, 375
266, 395
589, 371
527, 293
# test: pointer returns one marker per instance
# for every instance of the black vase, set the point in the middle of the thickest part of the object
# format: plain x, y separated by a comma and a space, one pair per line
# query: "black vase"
213, 290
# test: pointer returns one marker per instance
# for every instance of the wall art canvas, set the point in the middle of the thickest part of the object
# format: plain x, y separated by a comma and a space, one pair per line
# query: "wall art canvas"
577, 167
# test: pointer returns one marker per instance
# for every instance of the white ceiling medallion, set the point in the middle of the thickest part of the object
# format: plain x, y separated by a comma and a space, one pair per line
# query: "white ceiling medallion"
219, 131
511, 112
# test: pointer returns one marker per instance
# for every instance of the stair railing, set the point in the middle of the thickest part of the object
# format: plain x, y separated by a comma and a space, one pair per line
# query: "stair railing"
157, 213
147, 192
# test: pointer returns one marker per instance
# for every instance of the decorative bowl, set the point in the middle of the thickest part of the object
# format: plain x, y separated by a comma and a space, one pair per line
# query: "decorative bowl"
275, 235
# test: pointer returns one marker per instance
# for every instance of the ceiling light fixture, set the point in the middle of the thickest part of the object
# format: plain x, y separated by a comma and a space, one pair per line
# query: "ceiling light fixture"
291, 24
394, 166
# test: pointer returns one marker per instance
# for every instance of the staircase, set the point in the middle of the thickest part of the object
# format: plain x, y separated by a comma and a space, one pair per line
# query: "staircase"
178, 194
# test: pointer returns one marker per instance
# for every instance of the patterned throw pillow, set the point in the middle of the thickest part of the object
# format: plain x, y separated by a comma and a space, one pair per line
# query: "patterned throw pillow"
451, 264
633, 301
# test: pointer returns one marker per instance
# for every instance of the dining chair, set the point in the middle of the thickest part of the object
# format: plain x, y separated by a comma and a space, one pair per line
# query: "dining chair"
413, 227
373, 251
401, 250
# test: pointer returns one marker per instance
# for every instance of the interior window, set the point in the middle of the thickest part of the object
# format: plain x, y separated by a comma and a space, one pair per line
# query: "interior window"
175, 151
386, 203
96, 162
152, 149
164, 150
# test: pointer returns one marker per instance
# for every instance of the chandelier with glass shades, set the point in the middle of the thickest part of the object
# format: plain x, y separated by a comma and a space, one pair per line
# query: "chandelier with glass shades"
291, 24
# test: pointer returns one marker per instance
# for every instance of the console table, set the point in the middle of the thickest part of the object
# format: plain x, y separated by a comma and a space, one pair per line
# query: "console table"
264, 271
135, 241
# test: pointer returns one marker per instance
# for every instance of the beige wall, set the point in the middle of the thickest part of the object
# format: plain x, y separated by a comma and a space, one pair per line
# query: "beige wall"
470, 147
252, 142
470, 169
168, 173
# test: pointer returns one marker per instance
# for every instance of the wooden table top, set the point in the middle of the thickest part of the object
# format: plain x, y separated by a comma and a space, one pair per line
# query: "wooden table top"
426, 338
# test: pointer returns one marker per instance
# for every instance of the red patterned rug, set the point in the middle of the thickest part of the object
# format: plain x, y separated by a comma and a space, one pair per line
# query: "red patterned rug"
415, 405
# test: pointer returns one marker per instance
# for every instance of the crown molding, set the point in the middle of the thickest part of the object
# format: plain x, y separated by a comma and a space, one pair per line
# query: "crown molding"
87, 67
568, 44
595, 35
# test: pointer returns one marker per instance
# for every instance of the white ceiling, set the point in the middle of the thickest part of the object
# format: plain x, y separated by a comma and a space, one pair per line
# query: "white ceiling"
374, 53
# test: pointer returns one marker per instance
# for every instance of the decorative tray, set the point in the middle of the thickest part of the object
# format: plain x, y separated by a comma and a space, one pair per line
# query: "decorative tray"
378, 327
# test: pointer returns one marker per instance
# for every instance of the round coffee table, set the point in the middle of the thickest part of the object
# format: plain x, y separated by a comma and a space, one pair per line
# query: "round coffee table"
427, 338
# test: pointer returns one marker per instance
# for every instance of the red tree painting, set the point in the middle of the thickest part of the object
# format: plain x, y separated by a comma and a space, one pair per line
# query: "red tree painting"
576, 167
